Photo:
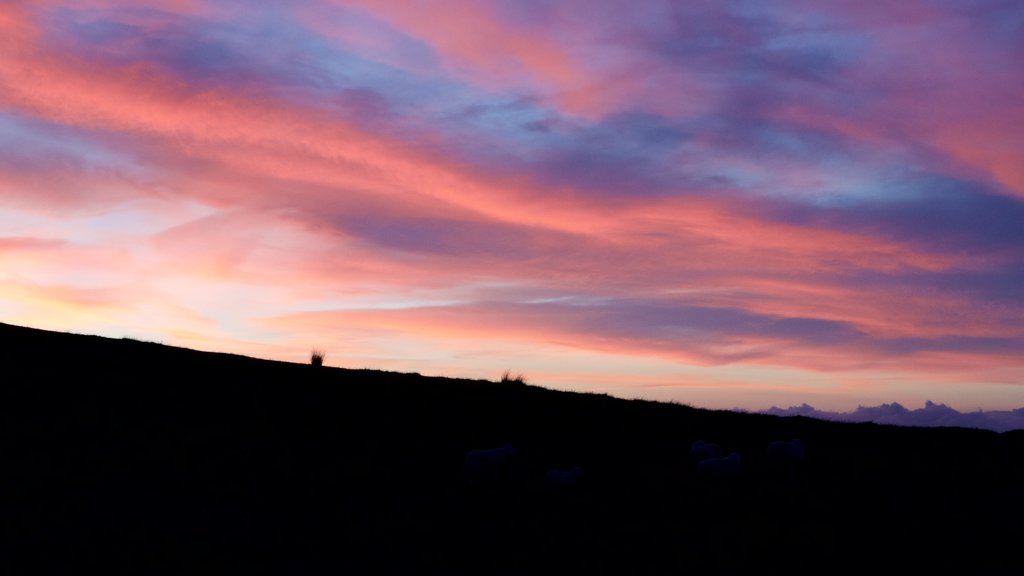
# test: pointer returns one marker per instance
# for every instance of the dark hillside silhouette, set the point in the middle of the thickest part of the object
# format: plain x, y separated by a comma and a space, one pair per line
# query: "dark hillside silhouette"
137, 458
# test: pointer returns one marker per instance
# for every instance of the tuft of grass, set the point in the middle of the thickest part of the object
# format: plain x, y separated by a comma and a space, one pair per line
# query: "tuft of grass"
508, 378
316, 357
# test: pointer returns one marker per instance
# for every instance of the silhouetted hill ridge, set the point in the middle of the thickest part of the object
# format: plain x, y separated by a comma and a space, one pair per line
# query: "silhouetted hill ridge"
139, 457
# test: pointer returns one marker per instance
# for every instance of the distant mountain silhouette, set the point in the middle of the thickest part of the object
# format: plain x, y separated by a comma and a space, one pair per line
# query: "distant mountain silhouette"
122, 456
932, 414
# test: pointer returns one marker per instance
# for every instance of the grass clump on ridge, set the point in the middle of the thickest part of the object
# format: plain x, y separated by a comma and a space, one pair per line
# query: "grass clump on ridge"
508, 378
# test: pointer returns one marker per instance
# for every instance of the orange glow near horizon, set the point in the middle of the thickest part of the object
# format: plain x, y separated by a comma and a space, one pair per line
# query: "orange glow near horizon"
701, 204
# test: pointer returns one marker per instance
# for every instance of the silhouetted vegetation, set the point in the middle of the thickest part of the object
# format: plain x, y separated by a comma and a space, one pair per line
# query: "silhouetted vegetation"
316, 357
130, 457
507, 377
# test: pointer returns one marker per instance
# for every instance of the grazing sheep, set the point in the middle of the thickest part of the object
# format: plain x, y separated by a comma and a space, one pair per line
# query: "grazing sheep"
782, 451
701, 450
721, 468
562, 479
486, 467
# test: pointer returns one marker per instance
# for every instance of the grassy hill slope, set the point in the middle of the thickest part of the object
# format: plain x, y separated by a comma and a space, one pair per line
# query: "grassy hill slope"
133, 457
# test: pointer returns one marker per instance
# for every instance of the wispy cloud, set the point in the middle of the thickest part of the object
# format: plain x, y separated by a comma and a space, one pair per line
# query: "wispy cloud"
830, 192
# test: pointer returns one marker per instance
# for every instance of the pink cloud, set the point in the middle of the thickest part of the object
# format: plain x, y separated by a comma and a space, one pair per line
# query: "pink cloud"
961, 95
478, 43
252, 218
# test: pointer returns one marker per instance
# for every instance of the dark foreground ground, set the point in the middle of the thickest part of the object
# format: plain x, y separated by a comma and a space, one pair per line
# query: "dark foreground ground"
133, 458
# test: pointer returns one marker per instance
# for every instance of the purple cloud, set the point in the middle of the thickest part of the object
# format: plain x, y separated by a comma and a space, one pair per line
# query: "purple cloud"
831, 190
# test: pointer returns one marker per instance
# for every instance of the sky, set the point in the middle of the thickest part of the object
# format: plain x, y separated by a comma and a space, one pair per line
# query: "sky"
724, 204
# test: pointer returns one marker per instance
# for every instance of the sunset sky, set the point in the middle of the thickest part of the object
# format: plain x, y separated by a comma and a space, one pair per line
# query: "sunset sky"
726, 204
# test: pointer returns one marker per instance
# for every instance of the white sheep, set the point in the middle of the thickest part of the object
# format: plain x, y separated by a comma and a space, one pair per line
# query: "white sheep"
783, 451
562, 479
722, 467
701, 450
485, 467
